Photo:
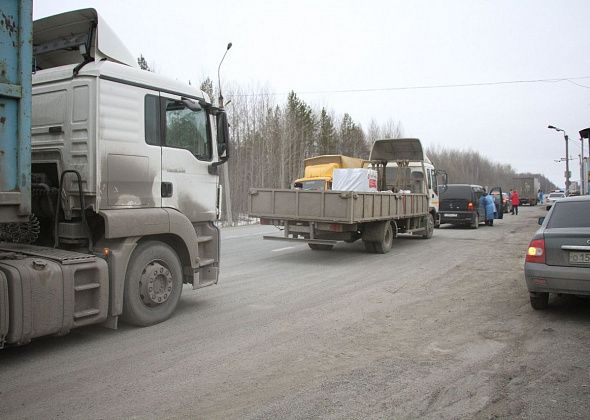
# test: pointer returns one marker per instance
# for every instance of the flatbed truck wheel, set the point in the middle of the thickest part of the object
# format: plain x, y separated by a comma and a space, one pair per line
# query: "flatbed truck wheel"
369, 246
383, 246
429, 227
153, 284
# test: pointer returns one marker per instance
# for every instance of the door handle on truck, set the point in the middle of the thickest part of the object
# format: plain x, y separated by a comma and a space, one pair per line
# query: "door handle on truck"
167, 189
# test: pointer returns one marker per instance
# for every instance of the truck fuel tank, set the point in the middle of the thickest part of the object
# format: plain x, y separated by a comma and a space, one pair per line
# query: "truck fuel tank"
50, 291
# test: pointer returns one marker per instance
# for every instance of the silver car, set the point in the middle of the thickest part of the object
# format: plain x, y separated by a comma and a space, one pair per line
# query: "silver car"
552, 198
558, 257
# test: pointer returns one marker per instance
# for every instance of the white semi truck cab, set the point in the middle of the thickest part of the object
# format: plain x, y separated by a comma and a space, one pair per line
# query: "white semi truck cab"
124, 188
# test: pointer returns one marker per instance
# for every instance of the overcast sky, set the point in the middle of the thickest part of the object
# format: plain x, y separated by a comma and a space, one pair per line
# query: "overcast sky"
374, 48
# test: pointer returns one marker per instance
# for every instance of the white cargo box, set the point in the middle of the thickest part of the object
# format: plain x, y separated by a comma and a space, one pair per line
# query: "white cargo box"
354, 179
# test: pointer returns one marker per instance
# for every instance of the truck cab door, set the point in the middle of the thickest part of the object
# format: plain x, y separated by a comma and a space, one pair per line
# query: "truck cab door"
187, 153
498, 202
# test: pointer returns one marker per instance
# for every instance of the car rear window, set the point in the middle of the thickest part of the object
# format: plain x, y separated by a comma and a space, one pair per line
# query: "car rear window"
456, 191
568, 214
556, 195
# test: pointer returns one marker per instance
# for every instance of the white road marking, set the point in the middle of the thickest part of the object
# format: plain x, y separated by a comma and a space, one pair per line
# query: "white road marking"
282, 249
243, 236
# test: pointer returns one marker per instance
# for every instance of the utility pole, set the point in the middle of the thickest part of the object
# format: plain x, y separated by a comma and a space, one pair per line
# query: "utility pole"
225, 169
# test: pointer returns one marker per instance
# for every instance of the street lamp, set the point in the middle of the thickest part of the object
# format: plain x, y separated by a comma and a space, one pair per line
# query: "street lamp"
585, 134
567, 163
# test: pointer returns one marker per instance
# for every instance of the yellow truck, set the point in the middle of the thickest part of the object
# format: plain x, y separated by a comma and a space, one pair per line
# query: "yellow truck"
319, 171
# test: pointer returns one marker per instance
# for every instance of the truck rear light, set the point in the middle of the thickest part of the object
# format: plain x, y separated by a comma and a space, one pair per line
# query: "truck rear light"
540, 282
335, 227
470, 206
536, 251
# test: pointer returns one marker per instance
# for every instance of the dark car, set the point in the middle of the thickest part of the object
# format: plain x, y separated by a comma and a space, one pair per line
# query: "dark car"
506, 204
460, 205
558, 257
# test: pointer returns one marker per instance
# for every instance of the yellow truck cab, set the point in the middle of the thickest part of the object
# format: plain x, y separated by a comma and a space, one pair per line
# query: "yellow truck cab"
319, 171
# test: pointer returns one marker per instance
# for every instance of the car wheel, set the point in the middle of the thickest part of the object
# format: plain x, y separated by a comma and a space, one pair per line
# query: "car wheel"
539, 300
475, 223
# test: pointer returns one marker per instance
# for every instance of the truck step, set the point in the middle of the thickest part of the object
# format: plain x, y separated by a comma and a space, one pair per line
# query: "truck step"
206, 261
87, 286
86, 313
205, 238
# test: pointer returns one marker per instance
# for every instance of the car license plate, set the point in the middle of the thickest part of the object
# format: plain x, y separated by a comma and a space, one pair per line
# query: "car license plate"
580, 257
450, 214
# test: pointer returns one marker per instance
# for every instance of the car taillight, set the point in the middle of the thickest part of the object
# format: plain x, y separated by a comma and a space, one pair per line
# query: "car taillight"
536, 251
470, 206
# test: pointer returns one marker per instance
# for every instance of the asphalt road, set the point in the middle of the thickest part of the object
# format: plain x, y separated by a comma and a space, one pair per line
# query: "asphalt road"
438, 328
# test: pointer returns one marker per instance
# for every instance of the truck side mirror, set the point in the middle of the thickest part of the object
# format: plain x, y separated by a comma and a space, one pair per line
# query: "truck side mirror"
222, 141
222, 136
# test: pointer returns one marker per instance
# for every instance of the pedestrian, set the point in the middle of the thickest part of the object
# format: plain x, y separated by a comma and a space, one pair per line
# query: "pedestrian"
487, 201
515, 202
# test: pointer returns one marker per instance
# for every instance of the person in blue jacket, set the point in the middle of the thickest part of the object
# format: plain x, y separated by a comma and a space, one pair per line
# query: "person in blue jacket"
487, 201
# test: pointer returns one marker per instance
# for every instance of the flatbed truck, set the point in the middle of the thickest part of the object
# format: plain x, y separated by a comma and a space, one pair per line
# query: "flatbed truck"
324, 218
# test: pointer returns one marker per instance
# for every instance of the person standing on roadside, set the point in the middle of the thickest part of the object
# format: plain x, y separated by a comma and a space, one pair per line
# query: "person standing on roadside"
487, 202
515, 202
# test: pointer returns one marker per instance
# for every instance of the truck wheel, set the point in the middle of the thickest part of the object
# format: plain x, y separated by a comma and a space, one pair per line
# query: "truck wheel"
429, 227
369, 246
539, 300
153, 284
320, 247
475, 223
383, 246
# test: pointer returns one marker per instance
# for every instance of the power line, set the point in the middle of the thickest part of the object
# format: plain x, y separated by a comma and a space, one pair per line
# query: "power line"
577, 84
417, 87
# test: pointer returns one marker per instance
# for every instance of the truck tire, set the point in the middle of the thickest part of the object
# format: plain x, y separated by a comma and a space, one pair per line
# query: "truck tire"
539, 300
320, 247
475, 223
383, 246
429, 227
153, 284
437, 222
369, 246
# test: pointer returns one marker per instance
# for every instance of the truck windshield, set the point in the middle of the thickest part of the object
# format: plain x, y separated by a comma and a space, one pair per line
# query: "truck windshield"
187, 129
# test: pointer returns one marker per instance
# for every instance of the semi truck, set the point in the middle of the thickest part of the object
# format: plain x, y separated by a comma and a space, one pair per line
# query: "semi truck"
108, 176
528, 188
324, 218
